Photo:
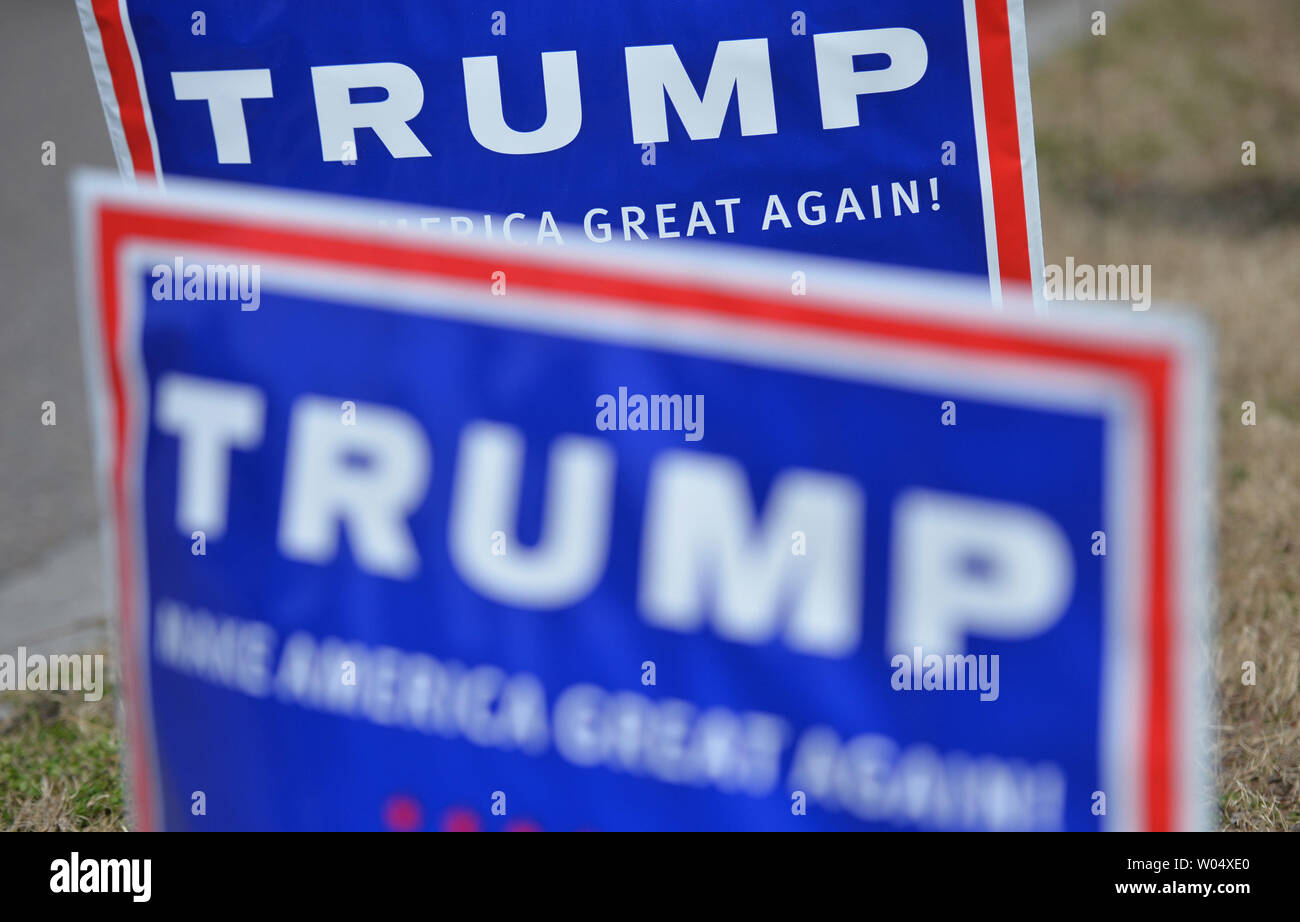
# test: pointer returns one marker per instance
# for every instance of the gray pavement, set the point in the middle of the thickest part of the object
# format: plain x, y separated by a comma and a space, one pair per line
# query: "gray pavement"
51, 596
49, 569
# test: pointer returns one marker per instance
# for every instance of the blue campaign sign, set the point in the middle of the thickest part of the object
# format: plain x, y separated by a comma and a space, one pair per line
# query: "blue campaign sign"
894, 132
424, 531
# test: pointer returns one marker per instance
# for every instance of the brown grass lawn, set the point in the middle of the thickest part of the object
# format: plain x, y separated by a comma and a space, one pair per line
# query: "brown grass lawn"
1139, 137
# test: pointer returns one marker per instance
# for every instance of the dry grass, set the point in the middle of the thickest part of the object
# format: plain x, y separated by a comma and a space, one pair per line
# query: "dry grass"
59, 763
1140, 143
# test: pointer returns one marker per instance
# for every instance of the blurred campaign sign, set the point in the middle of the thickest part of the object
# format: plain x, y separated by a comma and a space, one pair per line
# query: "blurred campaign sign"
414, 530
894, 131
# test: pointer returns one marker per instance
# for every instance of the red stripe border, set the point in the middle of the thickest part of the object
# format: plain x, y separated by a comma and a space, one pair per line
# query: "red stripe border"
1001, 117
126, 86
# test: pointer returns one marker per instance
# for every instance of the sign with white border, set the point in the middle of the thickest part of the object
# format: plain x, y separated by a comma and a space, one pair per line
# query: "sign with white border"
390, 550
893, 132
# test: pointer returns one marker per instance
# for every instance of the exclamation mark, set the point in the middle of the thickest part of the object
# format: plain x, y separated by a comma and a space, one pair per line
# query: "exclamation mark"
934, 193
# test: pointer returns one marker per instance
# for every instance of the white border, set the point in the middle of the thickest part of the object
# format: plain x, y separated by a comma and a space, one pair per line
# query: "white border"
852, 285
1028, 151
1194, 503
104, 82
134, 379
982, 151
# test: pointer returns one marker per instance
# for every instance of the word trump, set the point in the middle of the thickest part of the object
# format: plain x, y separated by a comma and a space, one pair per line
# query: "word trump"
741, 69
709, 560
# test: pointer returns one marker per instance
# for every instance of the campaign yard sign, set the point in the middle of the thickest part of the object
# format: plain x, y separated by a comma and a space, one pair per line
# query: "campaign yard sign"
893, 131
423, 531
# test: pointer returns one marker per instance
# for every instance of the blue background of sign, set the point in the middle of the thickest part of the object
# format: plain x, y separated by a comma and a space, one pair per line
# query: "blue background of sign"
900, 136
268, 764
